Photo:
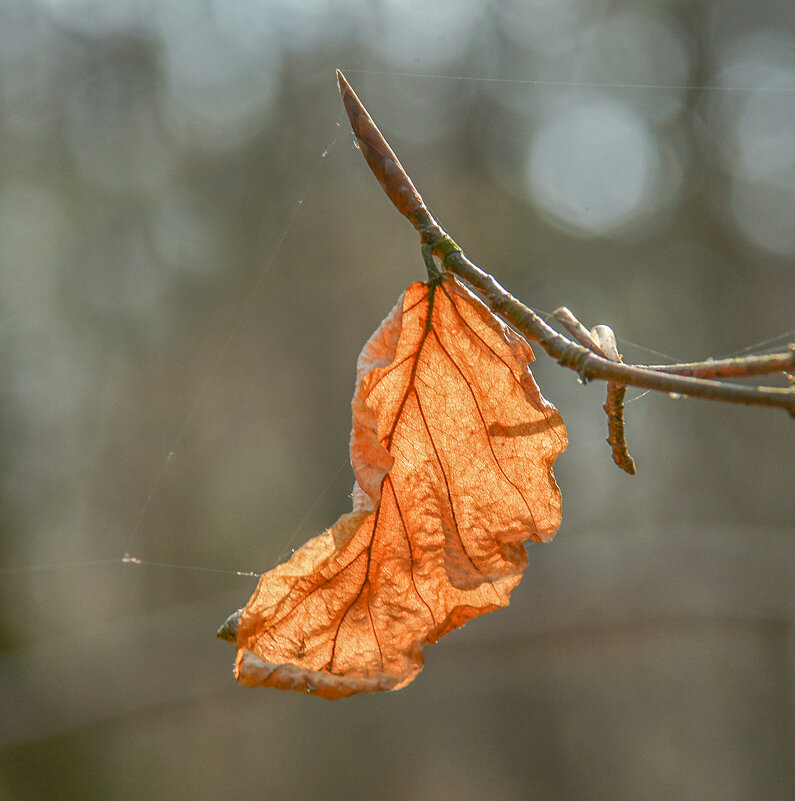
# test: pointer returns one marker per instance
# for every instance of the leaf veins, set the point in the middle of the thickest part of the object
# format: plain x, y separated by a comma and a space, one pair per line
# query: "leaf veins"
452, 447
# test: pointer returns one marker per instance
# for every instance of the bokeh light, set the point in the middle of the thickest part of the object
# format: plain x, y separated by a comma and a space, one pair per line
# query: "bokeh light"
755, 134
415, 35
220, 69
593, 166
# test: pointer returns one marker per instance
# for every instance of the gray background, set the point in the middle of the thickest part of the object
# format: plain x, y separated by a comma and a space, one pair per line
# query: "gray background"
161, 289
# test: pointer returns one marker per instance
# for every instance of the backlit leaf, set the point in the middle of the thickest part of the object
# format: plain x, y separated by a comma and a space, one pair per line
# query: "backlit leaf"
452, 447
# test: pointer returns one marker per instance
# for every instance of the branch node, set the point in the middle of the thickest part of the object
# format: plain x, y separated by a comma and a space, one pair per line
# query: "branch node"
602, 341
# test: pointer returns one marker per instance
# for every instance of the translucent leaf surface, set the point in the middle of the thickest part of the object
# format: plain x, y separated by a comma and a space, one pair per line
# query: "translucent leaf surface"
452, 447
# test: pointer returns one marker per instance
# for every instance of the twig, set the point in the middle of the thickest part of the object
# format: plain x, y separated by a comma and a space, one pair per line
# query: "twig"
589, 366
401, 191
738, 367
733, 368
616, 433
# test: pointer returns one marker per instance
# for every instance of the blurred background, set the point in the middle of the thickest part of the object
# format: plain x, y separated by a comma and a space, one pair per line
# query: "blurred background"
192, 254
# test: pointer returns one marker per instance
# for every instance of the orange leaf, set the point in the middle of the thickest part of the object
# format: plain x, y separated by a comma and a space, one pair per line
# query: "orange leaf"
452, 448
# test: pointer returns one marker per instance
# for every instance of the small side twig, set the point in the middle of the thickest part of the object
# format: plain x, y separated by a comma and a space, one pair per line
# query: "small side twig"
683, 381
616, 431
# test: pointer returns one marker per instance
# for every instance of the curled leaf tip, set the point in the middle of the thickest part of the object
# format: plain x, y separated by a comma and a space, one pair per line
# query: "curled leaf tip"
228, 629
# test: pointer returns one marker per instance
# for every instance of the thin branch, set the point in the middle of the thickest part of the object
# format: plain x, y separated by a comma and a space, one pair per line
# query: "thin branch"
402, 192
733, 368
589, 366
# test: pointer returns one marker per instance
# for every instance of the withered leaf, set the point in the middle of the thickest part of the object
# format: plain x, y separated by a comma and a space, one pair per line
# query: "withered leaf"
452, 447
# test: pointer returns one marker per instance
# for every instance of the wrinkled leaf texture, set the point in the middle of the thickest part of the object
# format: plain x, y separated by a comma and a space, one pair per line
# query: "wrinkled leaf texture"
452, 448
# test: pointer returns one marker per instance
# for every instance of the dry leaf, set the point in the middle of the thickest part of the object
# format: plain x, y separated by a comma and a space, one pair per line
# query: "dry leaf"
452, 448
